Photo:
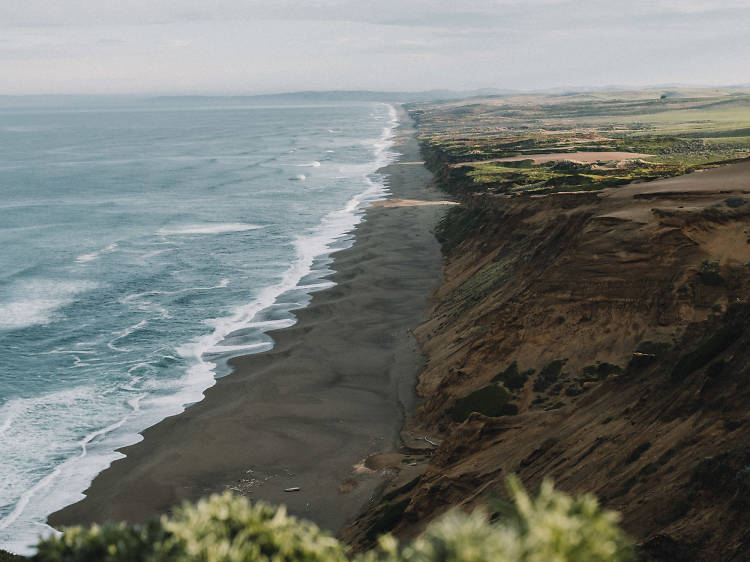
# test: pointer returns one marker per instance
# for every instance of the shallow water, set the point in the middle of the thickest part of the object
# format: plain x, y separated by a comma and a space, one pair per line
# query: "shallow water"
143, 244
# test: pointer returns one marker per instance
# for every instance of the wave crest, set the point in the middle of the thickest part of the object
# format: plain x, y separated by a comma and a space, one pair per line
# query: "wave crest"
209, 228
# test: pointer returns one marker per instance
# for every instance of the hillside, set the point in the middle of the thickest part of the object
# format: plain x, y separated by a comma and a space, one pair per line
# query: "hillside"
590, 326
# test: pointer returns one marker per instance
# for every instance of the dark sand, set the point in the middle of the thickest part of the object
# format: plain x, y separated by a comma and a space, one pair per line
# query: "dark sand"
332, 391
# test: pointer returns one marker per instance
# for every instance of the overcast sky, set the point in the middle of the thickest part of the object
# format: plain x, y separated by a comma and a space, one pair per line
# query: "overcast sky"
261, 46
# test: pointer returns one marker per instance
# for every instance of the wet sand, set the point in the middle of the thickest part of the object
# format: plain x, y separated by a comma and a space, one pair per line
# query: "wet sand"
332, 391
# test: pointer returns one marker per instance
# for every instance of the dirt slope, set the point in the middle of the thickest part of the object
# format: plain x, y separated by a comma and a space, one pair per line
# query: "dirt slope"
631, 307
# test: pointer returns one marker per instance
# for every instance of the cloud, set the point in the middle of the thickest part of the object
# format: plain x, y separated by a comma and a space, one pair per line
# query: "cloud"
440, 13
190, 46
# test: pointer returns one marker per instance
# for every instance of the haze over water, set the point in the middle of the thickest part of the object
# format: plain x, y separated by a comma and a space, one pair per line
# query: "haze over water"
143, 243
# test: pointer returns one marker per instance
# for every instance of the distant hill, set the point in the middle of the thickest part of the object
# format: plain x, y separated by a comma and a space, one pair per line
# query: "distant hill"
338, 96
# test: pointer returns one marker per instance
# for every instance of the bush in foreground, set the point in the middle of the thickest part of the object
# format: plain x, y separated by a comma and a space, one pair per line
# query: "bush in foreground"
552, 527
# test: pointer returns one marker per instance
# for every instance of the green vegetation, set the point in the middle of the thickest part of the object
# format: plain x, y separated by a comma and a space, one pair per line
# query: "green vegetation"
734, 202
554, 406
549, 375
8, 557
600, 371
681, 133
655, 348
223, 528
492, 400
551, 526
710, 273
512, 378
557, 176
552, 381
220, 528
477, 287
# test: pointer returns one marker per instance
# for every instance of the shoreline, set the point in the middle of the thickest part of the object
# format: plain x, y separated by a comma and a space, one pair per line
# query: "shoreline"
300, 275
333, 391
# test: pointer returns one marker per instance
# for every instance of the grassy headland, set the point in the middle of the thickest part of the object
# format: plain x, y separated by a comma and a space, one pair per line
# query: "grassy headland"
670, 134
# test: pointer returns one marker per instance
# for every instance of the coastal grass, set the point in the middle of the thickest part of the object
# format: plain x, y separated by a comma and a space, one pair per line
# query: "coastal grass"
223, 528
683, 132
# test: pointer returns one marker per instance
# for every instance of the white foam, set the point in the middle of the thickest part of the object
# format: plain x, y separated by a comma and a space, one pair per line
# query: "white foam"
312, 287
36, 301
85, 258
23, 419
313, 164
30, 423
23, 501
299, 177
315, 244
208, 228
74, 475
125, 333
248, 347
10, 411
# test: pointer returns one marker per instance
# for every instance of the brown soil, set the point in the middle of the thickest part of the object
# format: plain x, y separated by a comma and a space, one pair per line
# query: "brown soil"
588, 279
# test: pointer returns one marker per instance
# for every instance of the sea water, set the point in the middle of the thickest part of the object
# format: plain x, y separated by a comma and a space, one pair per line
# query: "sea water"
142, 243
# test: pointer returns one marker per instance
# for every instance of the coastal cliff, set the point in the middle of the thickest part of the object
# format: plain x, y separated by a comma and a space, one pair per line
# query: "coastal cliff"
595, 337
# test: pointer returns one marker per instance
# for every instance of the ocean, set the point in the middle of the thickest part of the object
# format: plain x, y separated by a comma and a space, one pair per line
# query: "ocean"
144, 242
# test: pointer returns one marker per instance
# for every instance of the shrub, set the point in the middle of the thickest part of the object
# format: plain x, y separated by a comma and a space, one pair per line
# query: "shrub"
221, 528
656, 348
227, 528
111, 542
548, 375
574, 390
710, 273
492, 400
552, 526
734, 202
512, 378
600, 371
554, 406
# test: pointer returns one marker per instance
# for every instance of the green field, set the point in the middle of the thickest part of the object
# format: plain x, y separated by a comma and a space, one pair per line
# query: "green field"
681, 131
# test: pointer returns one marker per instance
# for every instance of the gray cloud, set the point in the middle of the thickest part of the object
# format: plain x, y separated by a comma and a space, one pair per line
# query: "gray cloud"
258, 46
431, 13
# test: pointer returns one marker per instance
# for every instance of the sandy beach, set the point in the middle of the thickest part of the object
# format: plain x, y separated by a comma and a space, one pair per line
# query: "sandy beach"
332, 392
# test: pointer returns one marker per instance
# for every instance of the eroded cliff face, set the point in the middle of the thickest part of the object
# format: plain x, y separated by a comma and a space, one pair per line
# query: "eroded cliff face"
597, 339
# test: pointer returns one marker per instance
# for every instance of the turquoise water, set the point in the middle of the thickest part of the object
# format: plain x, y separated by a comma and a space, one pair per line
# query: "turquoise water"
142, 245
